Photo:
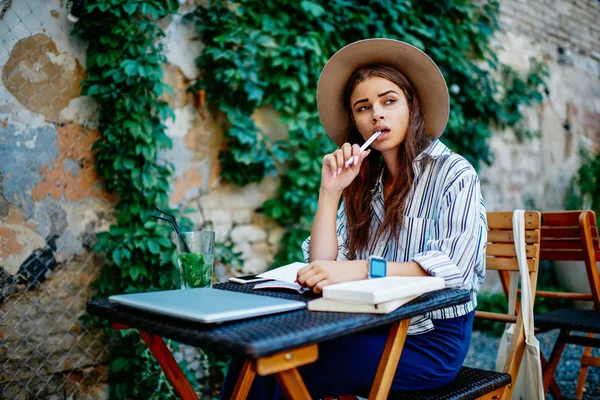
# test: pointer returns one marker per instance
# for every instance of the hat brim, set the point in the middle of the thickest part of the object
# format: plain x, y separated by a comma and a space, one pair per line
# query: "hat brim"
420, 70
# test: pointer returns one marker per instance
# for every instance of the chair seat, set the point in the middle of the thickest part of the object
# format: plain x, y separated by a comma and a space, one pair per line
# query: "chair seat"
569, 318
470, 383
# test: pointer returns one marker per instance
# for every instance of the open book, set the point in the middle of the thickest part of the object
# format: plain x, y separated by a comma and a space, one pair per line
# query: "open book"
283, 278
322, 304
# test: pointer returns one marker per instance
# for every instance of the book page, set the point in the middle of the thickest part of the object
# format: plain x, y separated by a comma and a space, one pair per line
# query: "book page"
280, 285
286, 273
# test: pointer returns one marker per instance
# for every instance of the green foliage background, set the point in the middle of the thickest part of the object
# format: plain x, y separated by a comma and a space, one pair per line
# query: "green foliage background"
260, 54
124, 62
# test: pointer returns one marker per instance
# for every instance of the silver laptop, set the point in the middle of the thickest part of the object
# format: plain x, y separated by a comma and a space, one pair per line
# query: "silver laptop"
207, 304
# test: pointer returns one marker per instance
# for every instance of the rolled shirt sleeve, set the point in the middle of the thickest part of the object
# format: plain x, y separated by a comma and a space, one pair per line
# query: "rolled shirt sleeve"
340, 228
459, 238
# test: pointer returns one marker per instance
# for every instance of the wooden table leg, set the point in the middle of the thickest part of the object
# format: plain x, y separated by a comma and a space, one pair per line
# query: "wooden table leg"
284, 365
244, 382
165, 359
389, 360
168, 364
292, 384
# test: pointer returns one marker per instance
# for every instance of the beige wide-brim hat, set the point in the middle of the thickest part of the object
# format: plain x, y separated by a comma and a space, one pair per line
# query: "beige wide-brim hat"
420, 70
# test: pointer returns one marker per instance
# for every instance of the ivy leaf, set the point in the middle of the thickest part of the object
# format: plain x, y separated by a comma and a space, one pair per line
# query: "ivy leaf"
134, 272
153, 247
130, 7
129, 67
119, 364
312, 8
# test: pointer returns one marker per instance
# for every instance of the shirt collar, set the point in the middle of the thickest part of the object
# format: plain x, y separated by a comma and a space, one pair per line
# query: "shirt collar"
433, 151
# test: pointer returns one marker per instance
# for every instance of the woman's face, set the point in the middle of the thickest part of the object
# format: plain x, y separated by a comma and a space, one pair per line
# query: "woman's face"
379, 104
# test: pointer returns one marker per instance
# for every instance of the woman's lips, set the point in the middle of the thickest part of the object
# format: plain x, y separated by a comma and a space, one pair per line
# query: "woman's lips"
384, 134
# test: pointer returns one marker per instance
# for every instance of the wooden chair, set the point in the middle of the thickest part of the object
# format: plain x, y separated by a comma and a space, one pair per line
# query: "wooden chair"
571, 236
474, 383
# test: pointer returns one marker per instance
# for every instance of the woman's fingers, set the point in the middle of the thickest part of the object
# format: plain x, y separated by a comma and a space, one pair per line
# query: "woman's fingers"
303, 277
331, 161
344, 157
339, 156
314, 280
355, 154
305, 269
347, 150
318, 289
362, 156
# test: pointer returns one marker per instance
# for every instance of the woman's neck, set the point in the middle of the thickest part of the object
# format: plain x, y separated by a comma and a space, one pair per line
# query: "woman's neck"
390, 158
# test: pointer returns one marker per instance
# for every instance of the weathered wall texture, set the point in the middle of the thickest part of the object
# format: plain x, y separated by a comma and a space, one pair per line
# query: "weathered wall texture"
52, 203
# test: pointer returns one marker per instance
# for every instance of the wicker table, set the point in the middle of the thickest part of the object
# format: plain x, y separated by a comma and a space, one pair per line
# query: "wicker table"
274, 344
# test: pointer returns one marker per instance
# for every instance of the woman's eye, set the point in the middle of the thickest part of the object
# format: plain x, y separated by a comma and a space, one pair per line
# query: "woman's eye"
390, 101
363, 108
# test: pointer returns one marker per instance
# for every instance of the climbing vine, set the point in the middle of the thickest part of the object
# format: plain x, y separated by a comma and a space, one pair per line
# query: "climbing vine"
261, 54
124, 61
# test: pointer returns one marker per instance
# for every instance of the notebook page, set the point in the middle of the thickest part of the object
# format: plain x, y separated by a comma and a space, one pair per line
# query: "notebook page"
286, 273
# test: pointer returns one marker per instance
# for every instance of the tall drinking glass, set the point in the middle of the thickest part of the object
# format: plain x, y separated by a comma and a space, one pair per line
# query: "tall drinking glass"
195, 263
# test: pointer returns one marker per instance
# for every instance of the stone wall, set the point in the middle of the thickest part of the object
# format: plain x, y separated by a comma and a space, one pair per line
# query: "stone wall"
52, 203
535, 173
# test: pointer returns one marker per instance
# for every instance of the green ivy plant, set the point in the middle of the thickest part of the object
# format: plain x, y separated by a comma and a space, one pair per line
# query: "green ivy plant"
261, 54
124, 58
584, 189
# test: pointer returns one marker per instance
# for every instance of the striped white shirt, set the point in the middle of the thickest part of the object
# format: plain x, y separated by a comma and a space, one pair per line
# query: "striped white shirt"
444, 228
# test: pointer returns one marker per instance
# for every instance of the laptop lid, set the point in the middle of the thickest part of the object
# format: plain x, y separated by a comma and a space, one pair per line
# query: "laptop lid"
206, 304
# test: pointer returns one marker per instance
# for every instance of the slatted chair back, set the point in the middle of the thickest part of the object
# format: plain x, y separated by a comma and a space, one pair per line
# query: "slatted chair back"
572, 236
501, 256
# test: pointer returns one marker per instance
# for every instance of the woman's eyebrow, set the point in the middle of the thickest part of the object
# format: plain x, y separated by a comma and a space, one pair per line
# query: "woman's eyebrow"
389, 91
360, 101
379, 95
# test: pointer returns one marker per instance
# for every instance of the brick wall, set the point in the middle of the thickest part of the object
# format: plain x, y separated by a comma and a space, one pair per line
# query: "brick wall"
565, 23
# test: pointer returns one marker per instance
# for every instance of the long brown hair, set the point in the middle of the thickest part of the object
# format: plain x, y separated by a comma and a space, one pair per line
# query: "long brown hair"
359, 194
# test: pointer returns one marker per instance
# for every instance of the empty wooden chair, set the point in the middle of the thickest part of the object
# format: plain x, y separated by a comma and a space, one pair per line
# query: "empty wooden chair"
472, 383
572, 236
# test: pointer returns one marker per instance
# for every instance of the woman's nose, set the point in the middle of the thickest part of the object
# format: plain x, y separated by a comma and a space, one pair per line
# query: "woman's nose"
377, 113
377, 116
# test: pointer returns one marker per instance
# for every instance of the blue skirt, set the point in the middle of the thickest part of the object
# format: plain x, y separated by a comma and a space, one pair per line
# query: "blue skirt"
348, 365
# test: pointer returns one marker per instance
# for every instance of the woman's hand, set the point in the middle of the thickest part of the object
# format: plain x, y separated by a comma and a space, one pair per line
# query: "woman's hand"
322, 273
335, 176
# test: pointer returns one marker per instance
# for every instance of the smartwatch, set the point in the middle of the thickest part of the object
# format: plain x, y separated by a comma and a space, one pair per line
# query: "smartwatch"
377, 267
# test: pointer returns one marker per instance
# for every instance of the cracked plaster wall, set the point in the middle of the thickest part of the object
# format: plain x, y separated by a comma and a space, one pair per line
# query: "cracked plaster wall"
52, 203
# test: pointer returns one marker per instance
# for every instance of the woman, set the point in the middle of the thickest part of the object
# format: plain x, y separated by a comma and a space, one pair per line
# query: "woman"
407, 200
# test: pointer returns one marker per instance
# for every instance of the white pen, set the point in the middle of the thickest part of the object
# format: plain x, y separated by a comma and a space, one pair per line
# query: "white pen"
364, 146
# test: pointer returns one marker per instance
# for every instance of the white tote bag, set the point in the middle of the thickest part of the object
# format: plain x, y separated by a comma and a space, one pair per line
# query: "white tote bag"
529, 385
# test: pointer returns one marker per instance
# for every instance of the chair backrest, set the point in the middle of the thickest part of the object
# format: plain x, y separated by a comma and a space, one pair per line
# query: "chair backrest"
572, 236
501, 256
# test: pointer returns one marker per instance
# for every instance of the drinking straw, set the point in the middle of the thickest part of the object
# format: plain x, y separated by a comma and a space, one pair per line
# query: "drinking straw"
173, 222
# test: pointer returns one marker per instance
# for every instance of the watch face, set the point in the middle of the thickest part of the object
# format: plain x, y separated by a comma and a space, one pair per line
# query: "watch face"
378, 267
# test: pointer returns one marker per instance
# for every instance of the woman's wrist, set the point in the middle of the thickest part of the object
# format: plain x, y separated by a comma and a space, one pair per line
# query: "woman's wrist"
363, 266
330, 194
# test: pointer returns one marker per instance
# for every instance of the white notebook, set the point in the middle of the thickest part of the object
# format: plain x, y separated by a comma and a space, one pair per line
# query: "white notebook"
386, 307
379, 290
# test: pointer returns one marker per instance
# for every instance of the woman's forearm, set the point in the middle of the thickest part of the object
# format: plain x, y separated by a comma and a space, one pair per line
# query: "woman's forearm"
405, 269
323, 241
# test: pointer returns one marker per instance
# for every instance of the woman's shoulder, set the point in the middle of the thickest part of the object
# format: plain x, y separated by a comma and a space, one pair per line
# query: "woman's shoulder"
451, 167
